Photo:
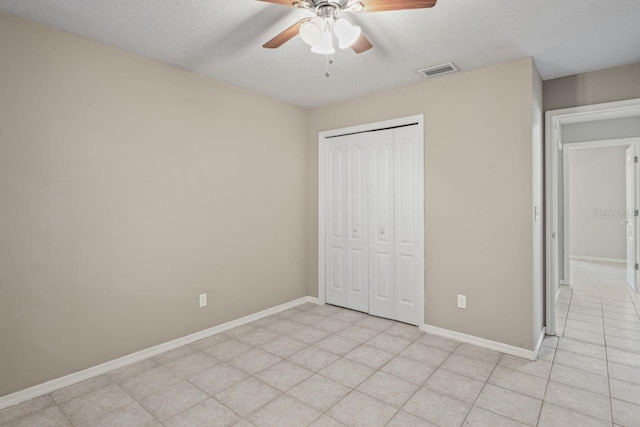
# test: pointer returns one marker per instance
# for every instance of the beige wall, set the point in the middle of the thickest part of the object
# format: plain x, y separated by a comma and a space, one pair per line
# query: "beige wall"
128, 187
479, 193
612, 84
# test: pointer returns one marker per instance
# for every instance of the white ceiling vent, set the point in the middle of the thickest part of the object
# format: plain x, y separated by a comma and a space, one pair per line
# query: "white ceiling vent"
439, 70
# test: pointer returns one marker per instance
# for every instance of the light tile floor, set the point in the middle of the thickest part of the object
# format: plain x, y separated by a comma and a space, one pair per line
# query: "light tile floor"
327, 366
596, 366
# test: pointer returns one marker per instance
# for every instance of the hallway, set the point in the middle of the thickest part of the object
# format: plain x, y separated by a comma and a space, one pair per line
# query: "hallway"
599, 329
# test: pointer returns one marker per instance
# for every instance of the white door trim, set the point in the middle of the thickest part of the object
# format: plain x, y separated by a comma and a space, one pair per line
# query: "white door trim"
601, 143
322, 136
553, 143
566, 215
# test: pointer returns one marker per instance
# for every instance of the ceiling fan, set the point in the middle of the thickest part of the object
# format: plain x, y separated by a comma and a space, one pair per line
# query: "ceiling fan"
318, 31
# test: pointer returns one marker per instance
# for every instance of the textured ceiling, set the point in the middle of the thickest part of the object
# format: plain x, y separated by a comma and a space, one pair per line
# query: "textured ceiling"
223, 39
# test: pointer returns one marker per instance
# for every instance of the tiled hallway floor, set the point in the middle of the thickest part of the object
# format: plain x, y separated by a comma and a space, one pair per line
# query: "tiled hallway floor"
326, 366
599, 327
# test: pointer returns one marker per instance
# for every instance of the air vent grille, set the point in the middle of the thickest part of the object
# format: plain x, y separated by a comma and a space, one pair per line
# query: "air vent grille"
439, 70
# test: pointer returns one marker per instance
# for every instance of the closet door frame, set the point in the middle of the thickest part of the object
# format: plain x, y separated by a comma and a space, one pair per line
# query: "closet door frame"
322, 182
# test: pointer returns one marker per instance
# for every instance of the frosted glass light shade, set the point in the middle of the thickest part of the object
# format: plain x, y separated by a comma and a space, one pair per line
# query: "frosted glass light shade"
346, 33
325, 47
311, 31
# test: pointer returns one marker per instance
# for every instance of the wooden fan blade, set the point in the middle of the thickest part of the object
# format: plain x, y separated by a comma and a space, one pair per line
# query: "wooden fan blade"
361, 45
384, 5
282, 2
286, 35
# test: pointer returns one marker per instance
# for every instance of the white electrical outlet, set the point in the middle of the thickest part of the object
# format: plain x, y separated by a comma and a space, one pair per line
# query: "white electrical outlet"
462, 301
203, 300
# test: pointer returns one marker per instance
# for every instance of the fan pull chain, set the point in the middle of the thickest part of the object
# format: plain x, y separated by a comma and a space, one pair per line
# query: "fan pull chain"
329, 62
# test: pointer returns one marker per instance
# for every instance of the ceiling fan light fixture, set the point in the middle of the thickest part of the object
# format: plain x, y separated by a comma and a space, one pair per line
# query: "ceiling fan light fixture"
325, 47
303, 4
346, 33
311, 31
356, 6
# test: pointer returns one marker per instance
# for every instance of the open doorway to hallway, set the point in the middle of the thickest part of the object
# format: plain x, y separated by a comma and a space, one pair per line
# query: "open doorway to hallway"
599, 238
592, 223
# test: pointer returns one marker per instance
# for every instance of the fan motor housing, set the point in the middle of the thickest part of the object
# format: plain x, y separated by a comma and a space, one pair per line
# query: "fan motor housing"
327, 10
334, 3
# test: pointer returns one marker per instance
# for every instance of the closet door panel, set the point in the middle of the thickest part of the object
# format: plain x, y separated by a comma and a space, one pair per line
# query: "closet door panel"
335, 257
381, 228
405, 279
408, 184
384, 280
357, 285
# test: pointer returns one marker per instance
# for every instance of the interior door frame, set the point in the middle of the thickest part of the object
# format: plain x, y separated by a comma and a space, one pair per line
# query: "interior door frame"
636, 224
322, 136
553, 143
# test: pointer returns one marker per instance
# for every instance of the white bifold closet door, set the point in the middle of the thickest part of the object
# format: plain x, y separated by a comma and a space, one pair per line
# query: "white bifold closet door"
409, 221
347, 232
381, 211
373, 194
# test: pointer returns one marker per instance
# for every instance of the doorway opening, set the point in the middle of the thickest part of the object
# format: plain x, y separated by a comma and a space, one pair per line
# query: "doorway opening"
592, 223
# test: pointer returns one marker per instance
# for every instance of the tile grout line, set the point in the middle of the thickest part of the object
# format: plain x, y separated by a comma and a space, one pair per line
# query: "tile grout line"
280, 393
314, 373
473, 405
188, 381
424, 382
210, 396
143, 407
605, 347
163, 389
182, 379
66, 417
111, 383
546, 386
602, 287
380, 369
317, 373
340, 357
566, 319
606, 354
285, 393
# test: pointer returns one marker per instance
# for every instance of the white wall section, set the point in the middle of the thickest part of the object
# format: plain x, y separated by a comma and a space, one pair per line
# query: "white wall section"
597, 202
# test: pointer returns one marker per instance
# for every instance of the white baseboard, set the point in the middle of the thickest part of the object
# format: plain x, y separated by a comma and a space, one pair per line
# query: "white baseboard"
481, 342
540, 339
314, 300
595, 258
85, 374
